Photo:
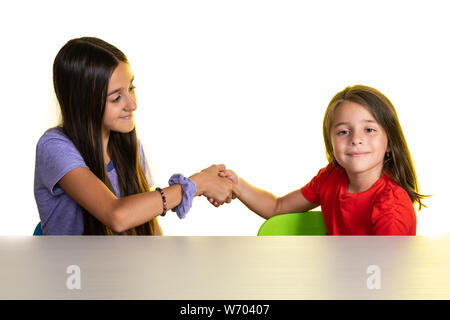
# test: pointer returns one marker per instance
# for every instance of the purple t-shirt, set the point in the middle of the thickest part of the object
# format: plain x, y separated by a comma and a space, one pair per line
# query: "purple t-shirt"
56, 155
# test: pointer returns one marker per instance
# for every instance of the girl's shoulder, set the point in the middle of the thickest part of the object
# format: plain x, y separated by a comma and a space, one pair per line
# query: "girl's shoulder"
332, 171
392, 195
393, 189
54, 143
330, 176
55, 156
55, 133
392, 210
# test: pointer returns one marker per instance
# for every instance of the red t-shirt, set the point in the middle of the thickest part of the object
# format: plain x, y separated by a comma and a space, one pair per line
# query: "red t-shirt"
384, 209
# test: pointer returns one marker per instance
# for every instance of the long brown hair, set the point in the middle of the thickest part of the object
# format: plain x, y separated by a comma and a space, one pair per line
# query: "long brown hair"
81, 73
398, 162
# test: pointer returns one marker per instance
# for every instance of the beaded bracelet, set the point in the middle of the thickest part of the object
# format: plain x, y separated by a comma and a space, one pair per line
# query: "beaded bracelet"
163, 196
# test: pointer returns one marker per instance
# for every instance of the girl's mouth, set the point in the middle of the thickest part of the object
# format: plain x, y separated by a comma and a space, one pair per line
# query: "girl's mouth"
357, 154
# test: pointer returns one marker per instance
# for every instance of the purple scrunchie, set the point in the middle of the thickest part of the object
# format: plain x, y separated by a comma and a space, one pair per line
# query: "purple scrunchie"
189, 190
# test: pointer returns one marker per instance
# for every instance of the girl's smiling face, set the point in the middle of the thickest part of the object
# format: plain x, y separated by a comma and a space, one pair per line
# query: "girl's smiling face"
359, 142
120, 101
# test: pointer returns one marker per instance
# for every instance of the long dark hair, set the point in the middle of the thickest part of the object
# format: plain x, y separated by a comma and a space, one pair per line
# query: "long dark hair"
81, 73
398, 162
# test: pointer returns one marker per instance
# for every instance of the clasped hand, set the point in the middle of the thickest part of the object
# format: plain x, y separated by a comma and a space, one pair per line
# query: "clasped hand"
220, 185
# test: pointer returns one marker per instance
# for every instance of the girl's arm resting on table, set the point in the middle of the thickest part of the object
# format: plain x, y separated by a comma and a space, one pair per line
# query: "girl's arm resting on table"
267, 205
131, 211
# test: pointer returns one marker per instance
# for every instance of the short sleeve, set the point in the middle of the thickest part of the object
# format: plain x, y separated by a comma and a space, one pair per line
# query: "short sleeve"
311, 191
56, 155
393, 214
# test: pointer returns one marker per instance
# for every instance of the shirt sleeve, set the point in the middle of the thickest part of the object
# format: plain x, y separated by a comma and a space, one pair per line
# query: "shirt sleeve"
311, 191
55, 156
393, 214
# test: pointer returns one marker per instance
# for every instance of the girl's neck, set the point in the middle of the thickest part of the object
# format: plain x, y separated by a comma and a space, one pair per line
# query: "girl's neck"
362, 182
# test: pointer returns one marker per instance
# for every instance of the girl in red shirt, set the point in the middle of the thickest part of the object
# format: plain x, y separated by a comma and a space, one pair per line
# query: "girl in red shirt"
369, 186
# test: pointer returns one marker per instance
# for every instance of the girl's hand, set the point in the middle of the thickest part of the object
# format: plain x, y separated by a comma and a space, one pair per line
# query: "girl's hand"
212, 186
230, 175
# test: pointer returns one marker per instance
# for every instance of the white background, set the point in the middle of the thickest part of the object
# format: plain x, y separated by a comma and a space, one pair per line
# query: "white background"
244, 83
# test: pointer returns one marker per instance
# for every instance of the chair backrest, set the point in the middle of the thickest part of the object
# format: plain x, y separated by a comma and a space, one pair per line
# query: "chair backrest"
291, 224
38, 230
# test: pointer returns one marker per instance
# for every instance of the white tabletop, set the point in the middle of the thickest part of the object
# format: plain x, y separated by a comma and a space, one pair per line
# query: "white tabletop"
225, 268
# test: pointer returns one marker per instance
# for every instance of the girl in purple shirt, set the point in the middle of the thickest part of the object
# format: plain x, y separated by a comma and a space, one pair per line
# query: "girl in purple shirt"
91, 174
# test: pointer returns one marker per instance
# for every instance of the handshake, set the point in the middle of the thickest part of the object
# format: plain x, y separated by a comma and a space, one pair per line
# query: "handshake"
217, 184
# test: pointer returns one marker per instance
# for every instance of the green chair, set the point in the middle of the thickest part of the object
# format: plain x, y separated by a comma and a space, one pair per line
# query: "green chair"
294, 224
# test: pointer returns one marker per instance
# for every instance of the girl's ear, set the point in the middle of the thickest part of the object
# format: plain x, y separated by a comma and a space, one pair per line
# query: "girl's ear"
388, 154
388, 149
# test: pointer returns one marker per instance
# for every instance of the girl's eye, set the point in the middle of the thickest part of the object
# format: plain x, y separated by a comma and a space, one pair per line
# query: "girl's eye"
116, 99
370, 130
131, 89
343, 132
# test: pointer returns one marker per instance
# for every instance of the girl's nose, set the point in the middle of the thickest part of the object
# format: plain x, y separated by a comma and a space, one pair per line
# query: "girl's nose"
131, 103
357, 139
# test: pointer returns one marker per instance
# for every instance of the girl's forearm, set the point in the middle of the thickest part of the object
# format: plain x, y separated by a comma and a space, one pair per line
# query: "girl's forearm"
137, 209
259, 201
